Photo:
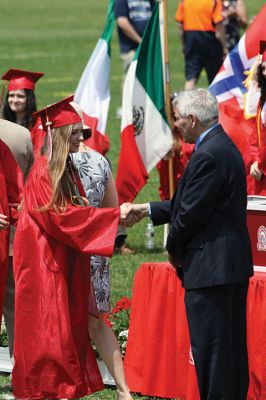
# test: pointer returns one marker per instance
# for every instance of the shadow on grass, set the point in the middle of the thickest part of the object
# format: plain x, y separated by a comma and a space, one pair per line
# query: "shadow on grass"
110, 394
139, 248
144, 251
5, 384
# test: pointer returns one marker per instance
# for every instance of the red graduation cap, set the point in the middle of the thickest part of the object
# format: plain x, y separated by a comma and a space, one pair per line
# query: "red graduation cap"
20, 79
263, 50
58, 114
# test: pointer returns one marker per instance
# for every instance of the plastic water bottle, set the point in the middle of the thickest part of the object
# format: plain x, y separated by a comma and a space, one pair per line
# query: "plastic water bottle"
149, 233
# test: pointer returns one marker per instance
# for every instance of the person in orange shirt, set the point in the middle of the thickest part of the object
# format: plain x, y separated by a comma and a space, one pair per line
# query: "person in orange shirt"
203, 38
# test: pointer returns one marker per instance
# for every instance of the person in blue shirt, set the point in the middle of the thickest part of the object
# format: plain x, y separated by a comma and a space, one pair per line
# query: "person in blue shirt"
131, 18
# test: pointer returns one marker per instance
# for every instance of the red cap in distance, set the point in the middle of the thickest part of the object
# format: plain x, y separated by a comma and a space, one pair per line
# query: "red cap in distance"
21, 79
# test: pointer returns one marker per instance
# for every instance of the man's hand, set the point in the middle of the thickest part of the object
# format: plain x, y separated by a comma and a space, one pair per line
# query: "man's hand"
255, 171
177, 264
130, 214
3, 223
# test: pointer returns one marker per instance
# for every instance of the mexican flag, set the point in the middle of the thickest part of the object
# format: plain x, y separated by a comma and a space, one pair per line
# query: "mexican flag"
92, 93
146, 135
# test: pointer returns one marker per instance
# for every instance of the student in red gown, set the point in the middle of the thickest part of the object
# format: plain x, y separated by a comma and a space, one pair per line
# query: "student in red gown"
20, 100
55, 233
257, 178
10, 197
18, 105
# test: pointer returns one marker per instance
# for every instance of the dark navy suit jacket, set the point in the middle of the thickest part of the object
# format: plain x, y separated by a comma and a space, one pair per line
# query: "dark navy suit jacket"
208, 215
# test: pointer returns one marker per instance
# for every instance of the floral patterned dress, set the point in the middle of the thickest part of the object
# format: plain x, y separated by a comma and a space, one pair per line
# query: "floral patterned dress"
94, 172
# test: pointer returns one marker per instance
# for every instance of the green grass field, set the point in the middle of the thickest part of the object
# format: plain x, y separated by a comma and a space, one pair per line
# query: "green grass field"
57, 37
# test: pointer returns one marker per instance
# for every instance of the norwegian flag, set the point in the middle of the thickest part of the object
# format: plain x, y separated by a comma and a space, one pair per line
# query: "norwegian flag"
228, 85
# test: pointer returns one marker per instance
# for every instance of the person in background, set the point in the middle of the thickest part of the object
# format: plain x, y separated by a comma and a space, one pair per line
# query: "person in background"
209, 246
56, 231
11, 193
257, 141
131, 18
181, 154
99, 186
17, 109
202, 38
235, 18
20, 101
18, 140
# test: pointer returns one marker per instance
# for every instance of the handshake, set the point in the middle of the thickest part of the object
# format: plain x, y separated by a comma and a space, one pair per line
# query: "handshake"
130, 213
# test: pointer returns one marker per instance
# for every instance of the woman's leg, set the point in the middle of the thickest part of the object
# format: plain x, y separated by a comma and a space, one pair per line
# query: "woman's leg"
109, 350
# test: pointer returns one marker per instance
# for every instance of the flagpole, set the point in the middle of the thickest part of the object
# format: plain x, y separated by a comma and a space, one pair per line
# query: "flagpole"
168, 106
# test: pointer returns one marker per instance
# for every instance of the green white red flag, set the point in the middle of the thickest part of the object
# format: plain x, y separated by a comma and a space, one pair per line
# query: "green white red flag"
146, 136
92, 93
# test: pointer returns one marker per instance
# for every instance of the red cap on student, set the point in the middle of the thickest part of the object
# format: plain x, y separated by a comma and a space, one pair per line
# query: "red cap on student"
21, 79
58, 114
263, 50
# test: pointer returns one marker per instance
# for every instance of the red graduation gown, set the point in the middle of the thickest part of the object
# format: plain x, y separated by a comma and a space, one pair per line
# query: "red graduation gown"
257, 142
53, 355
10, 196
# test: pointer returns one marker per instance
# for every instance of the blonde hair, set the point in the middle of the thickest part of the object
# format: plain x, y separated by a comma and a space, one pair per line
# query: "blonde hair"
63, 190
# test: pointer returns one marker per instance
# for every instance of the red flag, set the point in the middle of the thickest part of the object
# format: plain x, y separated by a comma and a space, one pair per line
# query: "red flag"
180, 160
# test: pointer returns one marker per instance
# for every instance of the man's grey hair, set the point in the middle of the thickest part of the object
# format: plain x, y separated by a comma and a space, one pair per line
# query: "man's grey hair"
198, 102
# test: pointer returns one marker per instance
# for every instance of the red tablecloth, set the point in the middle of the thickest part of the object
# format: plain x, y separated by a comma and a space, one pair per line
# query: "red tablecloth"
157, 361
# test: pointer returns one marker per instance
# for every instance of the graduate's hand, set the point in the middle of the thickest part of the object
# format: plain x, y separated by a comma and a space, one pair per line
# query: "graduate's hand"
4, 224
255, 171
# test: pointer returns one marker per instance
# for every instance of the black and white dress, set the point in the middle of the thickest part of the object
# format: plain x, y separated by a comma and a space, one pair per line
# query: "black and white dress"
94, 172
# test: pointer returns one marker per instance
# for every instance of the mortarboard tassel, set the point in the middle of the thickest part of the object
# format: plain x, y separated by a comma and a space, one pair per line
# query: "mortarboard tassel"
49, 138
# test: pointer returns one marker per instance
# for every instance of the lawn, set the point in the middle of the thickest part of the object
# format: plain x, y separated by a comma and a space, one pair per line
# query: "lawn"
57, 37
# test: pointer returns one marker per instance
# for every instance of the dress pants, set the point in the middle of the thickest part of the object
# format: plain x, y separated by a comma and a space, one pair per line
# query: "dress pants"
217, 325
9, 307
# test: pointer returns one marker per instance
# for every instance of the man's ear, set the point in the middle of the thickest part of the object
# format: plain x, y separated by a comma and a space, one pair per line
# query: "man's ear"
194, 121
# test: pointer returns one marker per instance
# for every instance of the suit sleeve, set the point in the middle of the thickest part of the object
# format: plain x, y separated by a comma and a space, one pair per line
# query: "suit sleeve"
160, 212
86, 229
198, 200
